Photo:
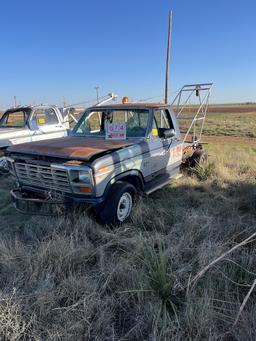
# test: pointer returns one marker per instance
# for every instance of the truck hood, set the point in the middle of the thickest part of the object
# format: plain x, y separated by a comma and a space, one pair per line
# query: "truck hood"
9, 134
71, 147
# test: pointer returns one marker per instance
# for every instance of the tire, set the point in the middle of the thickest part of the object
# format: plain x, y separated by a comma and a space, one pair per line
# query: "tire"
118, 204
198, 158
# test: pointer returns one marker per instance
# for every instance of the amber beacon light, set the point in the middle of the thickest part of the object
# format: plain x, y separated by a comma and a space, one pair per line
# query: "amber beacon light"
125, 100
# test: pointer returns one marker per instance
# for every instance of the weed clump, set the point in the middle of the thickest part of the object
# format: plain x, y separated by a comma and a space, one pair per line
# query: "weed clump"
12, 324
203, 172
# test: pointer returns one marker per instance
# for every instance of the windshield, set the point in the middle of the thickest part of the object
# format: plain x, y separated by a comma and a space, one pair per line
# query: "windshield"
14, 119
94, 123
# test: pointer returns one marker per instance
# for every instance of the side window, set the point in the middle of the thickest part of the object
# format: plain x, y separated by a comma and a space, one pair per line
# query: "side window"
163, 119
13, 119
45, 116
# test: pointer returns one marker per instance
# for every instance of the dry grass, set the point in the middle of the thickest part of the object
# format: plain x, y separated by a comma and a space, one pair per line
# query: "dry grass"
71, 279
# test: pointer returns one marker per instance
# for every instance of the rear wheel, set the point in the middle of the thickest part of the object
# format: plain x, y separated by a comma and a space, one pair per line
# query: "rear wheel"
118, 204
198, 158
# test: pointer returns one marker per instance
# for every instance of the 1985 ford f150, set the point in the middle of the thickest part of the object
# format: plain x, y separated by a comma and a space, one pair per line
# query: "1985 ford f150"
112, 153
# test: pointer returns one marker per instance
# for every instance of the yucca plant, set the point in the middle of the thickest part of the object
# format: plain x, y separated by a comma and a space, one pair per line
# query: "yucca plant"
160, 278
204, 172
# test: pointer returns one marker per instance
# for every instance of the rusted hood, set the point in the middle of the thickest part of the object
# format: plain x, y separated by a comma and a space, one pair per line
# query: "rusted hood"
71, 147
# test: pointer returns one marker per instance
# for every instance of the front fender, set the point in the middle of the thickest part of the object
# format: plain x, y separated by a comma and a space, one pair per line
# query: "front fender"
132, 176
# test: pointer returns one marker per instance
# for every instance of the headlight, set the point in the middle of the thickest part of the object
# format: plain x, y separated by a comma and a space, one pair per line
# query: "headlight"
81, 180
84, 176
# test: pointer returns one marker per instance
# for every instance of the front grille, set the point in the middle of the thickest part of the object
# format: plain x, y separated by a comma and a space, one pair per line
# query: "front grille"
43, 176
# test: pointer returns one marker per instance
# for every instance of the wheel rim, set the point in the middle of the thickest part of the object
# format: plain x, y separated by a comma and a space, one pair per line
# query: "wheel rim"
124, 206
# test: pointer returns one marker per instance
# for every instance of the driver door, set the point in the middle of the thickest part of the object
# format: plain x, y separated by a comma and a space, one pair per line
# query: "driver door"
46, 124
166, 153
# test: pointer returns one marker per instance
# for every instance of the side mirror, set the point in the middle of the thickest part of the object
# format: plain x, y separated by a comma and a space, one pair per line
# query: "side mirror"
168, 133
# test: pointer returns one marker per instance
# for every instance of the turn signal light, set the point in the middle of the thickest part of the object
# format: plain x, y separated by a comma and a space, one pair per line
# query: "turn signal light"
85, 189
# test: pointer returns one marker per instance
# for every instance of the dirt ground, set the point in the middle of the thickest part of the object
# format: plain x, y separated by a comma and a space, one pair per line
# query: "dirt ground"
231, 140
225, 108
232, 108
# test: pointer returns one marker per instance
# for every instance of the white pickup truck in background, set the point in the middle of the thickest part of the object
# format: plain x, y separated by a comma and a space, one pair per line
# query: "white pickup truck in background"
28, 124
39, 122
31, 123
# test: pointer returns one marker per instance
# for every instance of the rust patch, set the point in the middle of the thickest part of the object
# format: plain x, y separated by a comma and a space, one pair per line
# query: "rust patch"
74, 163
188, 150
72, 147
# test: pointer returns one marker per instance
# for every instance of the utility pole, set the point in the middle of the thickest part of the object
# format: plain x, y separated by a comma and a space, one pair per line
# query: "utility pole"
168, 57
15, 101
97, 92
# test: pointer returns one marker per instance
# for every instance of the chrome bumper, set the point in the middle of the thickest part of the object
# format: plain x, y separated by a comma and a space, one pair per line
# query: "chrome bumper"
37, 206
40, 203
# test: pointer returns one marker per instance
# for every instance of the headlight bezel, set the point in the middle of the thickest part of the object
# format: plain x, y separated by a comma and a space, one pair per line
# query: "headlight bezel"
76, 174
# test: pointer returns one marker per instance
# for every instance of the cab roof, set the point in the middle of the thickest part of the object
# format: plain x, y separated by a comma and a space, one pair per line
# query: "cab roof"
132, 105
28, 107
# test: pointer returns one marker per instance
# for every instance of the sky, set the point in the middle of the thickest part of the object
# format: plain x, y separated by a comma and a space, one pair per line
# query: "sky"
52, 49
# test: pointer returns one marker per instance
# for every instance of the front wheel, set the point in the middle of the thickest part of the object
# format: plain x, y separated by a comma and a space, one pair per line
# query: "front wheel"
118, 204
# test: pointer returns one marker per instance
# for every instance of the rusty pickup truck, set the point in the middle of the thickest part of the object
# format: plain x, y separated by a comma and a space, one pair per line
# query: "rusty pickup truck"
99, 164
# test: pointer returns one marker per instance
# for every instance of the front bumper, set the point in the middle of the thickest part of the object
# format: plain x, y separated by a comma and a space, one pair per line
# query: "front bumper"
41, 203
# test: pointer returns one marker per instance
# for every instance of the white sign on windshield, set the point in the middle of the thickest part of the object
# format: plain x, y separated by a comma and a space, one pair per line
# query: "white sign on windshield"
115, 131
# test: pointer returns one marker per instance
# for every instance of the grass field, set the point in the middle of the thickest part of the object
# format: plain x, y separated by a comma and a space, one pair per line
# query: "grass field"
65, 279
228, 120
231, 124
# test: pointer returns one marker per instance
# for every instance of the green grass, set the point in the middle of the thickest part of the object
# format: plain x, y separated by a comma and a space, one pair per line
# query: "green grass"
232, 124
227, 124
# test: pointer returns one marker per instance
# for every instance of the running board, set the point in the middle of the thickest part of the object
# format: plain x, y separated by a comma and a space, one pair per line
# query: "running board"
162, 184
178, 176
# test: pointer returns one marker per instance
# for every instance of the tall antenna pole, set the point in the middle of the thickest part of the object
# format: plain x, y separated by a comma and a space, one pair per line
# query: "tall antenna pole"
97, 93
168, 57
64, 102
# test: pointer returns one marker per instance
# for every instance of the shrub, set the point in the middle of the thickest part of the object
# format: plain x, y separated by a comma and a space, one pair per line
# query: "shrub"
204, 172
